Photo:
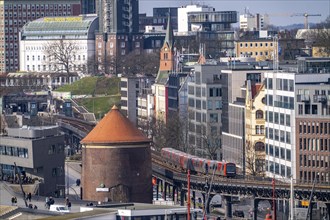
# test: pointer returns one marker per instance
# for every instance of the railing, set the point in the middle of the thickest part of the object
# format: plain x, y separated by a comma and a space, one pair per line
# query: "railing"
319, 98
303, 98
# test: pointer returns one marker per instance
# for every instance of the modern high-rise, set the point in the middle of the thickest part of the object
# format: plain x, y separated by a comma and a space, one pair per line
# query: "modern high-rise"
211, 28
118, 33
117, 16
297, 121
14, 14
204, 111
280, 124
88, 7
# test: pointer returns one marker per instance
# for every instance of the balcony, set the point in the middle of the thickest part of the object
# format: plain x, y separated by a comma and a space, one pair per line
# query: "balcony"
320, 98
303, 98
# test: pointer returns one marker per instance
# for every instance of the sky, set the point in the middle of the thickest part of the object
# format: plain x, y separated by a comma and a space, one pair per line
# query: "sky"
279, 11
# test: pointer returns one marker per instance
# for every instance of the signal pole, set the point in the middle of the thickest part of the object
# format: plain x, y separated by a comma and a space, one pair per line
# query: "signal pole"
274, 204
188, 197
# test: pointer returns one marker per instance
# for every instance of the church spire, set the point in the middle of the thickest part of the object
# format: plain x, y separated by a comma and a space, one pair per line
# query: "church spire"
169, 32
166, 64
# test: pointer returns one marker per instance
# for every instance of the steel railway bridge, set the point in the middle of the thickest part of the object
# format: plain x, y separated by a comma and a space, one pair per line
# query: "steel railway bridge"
256, 189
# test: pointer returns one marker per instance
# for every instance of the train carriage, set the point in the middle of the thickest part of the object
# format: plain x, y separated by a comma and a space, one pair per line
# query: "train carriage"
196, 164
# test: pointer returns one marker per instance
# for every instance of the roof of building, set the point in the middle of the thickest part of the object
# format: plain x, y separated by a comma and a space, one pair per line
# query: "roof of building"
81, 25
115, 128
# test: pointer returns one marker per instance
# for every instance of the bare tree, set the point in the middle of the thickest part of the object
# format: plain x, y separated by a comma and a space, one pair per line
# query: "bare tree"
61, 55
140, 63
177, 132
254, 159
211, 142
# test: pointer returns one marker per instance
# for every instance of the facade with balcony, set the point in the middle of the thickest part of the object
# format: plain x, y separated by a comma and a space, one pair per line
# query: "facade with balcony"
312, 109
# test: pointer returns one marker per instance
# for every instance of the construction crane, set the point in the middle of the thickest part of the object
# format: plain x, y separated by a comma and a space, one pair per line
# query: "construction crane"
306, 15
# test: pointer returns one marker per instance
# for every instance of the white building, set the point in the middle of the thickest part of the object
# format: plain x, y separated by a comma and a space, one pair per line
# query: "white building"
280, 125
37, 35
183, 15
204, 110
251, 22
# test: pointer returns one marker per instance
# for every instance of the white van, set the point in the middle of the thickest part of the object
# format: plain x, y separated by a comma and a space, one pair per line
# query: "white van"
59, 208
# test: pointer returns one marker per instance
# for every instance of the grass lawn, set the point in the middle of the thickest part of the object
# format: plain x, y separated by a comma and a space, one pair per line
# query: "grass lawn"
93, 85
99, 105
106, 91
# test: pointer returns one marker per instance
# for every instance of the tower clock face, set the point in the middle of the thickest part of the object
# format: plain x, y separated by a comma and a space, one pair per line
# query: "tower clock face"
166, 48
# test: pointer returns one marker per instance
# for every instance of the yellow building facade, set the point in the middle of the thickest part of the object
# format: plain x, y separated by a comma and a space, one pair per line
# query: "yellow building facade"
255, 129
261, 49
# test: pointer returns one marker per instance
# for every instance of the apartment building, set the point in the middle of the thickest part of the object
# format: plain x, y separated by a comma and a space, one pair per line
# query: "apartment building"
39, 152
312, 110
14, 14
255, 128
136, 98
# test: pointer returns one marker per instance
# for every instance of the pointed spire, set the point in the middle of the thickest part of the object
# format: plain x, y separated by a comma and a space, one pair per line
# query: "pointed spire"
169, 32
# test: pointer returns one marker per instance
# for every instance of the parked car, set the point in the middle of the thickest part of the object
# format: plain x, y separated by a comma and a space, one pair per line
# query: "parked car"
59, 208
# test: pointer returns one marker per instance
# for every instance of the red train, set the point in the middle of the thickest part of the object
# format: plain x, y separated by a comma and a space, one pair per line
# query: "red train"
196, 164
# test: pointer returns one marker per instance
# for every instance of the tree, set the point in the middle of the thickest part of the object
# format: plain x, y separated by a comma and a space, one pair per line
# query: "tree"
140, 63
172, 133
211, 142
61, 55
255, 158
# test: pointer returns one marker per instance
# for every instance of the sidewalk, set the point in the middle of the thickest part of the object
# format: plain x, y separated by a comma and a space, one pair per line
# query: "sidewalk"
7, 193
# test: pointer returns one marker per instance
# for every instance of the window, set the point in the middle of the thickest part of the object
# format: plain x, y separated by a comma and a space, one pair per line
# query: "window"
213, 117
282, 153
287, 120
259, 146
209, 105
52, 149
259, 114
288, 154
281, 119
276, 117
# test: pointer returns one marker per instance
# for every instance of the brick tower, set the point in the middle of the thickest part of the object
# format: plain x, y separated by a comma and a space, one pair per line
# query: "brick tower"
116, 162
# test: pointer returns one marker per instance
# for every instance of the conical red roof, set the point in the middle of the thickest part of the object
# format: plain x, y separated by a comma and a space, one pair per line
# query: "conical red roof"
114, 128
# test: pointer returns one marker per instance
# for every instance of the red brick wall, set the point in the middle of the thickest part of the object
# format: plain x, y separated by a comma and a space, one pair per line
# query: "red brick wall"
127, 170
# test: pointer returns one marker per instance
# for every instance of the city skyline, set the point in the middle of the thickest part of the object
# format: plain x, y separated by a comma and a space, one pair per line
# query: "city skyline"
280, 11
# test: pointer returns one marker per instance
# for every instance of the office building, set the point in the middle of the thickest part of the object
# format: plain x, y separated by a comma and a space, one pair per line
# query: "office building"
118, 33
75, 34
233, 110
205, 111
280, 124
251, 22
39, 153
136, 101
88, 7
15, 14
312, 120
